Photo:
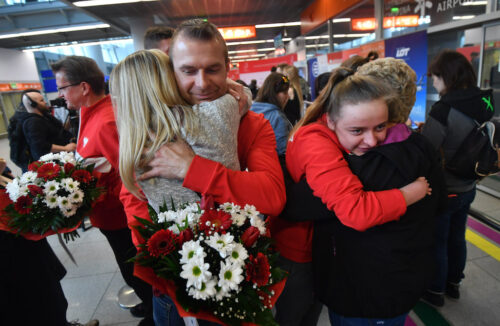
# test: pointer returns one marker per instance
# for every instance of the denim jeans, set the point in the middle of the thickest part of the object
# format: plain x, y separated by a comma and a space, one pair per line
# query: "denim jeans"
165, 313
451, 250
338, 320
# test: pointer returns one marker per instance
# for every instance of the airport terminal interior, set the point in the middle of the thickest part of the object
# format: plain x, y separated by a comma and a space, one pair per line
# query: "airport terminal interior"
313, 35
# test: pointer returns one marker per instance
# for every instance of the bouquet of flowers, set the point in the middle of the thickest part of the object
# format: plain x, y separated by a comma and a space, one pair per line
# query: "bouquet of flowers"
219, 262
52, 197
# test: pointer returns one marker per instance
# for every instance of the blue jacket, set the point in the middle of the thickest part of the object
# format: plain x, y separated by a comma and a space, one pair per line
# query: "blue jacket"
278, 121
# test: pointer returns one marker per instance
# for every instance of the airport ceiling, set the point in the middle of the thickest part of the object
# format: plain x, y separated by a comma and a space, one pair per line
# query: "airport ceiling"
35, 15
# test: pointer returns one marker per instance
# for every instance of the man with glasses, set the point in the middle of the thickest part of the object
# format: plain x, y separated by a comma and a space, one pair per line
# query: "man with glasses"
81, 84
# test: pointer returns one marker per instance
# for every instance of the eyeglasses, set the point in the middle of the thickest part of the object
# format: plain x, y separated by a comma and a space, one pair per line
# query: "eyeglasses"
63, 87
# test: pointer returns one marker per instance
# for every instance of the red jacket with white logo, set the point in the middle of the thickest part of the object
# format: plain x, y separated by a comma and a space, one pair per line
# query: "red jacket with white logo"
98, 143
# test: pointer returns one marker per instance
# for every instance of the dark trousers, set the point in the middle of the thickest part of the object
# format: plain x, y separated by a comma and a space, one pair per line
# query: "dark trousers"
30, 288
297, 304
451, 249
124, 249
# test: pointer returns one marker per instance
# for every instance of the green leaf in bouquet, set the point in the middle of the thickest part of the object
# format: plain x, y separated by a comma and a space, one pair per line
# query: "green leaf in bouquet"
152, 214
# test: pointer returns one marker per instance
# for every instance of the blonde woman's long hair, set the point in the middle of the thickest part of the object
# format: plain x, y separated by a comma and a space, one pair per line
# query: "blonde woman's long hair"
149, 110
293, 75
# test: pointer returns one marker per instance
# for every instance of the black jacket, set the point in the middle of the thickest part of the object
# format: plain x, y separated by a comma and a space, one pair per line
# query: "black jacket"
382, 272
450, 120
41, 132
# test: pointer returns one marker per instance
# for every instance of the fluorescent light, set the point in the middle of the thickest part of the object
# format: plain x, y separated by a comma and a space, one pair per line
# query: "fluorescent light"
252, 50
248, 56
94, 3
277, 25
45, 48
463, 17
54, 30
475, 3
351, 35
247, 42
316, 37
317, 45
240, 60
341, 20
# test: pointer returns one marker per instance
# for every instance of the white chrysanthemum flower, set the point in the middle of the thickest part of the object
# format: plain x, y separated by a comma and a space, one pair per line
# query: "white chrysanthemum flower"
238, 218
220, 295
230, 276
69, 212
23, 190
258, 223
51, 201
28, 177
51, 187
239, 254
67, 157
64, 203
188, 215
70, 184
191, 250
76, 197
224, 243
12, 189
49, 157
168, 216
206, 291
230, 208
250, 210
174, 228
196, 271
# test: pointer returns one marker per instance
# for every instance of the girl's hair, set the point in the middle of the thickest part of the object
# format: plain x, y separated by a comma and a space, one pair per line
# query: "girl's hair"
357, 61
346, 88
455, 70
149, 110
293, 75
275, 83
399, 75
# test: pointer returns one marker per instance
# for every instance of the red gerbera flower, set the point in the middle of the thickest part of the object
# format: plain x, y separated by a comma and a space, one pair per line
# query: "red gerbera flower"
185, 236
258, 269
161, 243
82, 176
35, 190
68, 167
34, 166
215, 221
23, 205
48, 171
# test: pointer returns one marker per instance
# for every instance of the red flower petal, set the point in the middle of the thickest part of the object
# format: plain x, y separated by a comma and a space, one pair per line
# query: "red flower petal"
23, 205
48, 171
161, 243
258, 269
218, 221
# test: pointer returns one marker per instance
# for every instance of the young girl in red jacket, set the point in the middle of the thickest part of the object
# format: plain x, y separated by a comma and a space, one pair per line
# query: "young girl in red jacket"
350, 116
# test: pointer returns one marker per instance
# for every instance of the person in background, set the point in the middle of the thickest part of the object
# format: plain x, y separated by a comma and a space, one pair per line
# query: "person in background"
35, 132
81, 83
462, 105
253, 88
270, 101
158, 37
320, 83
293, 108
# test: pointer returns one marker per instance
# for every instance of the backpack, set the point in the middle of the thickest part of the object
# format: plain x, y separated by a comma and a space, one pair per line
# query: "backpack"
479, 155
19, 149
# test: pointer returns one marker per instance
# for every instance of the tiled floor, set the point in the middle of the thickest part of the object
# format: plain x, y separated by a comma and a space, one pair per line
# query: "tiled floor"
91, 287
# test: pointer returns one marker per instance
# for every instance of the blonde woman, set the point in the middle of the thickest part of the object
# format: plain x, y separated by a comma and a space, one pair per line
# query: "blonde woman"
150, 112
295, 105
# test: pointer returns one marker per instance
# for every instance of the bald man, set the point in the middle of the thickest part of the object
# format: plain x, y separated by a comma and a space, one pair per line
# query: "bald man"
42, 132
